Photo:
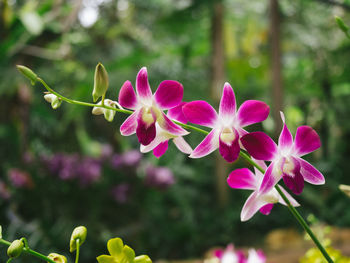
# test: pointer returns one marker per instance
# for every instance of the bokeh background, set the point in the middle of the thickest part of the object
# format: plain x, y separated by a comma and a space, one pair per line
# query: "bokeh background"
62, 168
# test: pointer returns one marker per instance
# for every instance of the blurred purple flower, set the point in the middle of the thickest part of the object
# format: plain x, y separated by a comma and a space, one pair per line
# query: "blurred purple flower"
106, 151
131, 158
159, 177
19, 178
67, 166
116, 161
88, 170
4, 191
121, 193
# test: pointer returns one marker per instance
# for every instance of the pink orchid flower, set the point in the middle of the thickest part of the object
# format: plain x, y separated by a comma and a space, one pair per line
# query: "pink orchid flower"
160, 144
148, 108
230, 255
286, 161
227, 126
243, 178
256, 256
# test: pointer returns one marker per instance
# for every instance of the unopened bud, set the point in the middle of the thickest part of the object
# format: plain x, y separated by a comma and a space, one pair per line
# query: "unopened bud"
80, 233
57, 258
53, 99
108, 114
142, 259
100, 82
341, 24
27, 72
15, 249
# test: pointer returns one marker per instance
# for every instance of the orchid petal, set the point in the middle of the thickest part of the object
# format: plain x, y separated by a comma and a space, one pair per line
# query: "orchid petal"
310, 173
142, 86
146, 132
160, 149
182, 145
242, 178
166, 124
169, 94
295, 182
289, 197
252, 111
177, 114
259, 145
129, 125
207, 146
230, 152
251, 206
228, 102
285, 140
127, 96
160, 138
271, 178
266, 209
200, 112
306, 140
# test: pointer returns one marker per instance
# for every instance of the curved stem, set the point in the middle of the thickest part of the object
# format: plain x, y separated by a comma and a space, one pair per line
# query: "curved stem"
29, 251
242, 154
77, 251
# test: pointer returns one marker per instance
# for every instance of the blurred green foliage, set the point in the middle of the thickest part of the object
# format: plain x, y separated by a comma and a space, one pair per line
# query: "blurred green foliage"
62, 43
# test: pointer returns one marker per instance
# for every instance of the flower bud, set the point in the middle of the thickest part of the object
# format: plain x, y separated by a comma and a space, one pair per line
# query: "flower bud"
341, 24
142, 259
15, 249
53, 99
80, 233
108, 114
27, 72
0, 232
57, 258
100, 82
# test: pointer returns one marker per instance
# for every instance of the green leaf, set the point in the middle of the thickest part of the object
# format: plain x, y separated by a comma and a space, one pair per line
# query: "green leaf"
105, 259
115, 246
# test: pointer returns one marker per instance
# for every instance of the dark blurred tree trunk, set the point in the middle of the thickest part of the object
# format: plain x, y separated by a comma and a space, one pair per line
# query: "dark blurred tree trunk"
276, 65
217, 82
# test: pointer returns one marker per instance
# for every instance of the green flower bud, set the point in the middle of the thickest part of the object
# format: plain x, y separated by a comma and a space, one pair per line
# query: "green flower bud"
53, 99
0, 232
57, 258
341, 24
100, 82
15, 249
27, 72
142, 259
80, 233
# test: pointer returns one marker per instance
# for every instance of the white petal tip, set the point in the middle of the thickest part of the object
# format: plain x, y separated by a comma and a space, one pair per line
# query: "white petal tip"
282, 117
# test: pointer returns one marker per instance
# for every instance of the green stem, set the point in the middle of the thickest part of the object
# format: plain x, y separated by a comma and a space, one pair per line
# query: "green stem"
77, 241
29, 251
77, 102
242, 154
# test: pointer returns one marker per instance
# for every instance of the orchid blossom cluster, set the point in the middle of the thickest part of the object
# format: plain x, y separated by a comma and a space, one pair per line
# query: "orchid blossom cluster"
163, 116
154, 128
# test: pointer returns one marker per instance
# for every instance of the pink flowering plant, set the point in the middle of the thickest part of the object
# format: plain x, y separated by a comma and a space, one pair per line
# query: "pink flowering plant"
156, 118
